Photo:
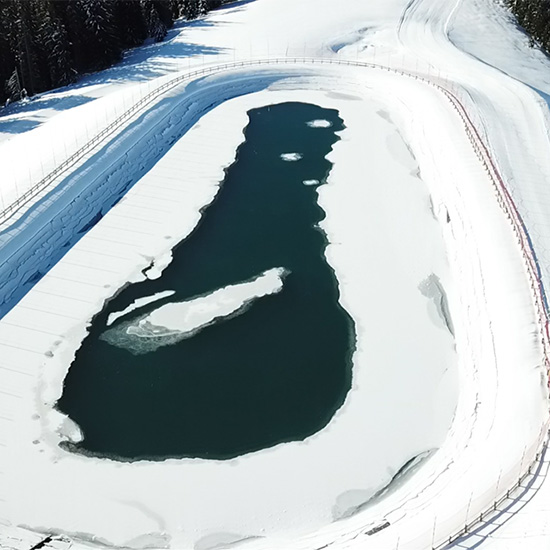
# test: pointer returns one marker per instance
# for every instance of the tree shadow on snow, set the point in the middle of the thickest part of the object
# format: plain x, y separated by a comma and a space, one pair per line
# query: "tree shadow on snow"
159, 58
18, 125
142, 63
152, 61
542, 94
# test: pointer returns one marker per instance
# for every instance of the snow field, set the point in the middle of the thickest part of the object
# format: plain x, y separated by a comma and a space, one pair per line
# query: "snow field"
510, 118
394, 506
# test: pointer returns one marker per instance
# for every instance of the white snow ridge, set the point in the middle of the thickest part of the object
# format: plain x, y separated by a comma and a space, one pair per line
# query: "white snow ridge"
175, 321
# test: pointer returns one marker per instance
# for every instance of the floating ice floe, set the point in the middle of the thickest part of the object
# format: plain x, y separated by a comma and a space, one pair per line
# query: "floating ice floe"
319, 123
136, 304
291, 157
175, 321
311, 182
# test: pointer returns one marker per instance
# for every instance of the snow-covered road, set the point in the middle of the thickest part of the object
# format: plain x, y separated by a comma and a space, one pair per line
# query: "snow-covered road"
501, 416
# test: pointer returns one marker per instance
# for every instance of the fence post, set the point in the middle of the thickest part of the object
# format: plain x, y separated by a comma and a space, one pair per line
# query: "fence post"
521, 465
496, 491
468, 512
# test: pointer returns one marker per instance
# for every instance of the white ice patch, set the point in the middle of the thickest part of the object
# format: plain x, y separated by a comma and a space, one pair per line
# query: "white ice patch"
136, 304
311, 182
291, 157
158, 266
319, 123
175, 321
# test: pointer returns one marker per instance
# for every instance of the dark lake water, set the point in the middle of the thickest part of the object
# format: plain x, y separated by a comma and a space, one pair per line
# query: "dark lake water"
275, 373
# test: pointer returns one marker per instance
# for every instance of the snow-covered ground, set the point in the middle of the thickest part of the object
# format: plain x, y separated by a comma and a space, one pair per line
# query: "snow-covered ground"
305, 504
401, 165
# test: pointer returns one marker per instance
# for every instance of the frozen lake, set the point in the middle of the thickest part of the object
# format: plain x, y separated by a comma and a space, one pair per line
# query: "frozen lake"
229, 357
379, 247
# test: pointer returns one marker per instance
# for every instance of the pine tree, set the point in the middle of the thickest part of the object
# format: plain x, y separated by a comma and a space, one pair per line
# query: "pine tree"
534, 17
156, 28
193, 8
102, 43
47, 43
24, 47
130, 23
164, 11
55, 42
7, 59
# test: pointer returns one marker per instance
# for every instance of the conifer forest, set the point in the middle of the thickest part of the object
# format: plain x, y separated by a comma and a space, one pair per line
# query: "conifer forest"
45, 44
534, 17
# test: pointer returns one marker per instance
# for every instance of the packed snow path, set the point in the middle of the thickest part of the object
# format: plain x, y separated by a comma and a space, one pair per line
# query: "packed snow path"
509, 395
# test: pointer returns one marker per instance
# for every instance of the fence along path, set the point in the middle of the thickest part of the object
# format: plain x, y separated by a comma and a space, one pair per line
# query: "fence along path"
487, 505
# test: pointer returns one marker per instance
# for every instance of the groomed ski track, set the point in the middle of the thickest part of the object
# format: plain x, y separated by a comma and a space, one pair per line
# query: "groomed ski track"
410, 510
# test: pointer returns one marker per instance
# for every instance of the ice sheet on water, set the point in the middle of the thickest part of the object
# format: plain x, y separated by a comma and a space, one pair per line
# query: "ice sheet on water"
291, 157
319, 123
176, 321
136, 304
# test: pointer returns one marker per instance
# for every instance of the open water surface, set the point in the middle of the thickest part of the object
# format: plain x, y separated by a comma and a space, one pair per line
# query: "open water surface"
276, 372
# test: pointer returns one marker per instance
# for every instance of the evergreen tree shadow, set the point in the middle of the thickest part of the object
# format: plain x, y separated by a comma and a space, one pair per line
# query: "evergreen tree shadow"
10, 126
152, 61
140, 64
544, 96
10, 123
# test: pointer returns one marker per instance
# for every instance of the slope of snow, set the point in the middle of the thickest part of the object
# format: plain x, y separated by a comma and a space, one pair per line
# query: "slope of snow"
258, 28
502, 409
